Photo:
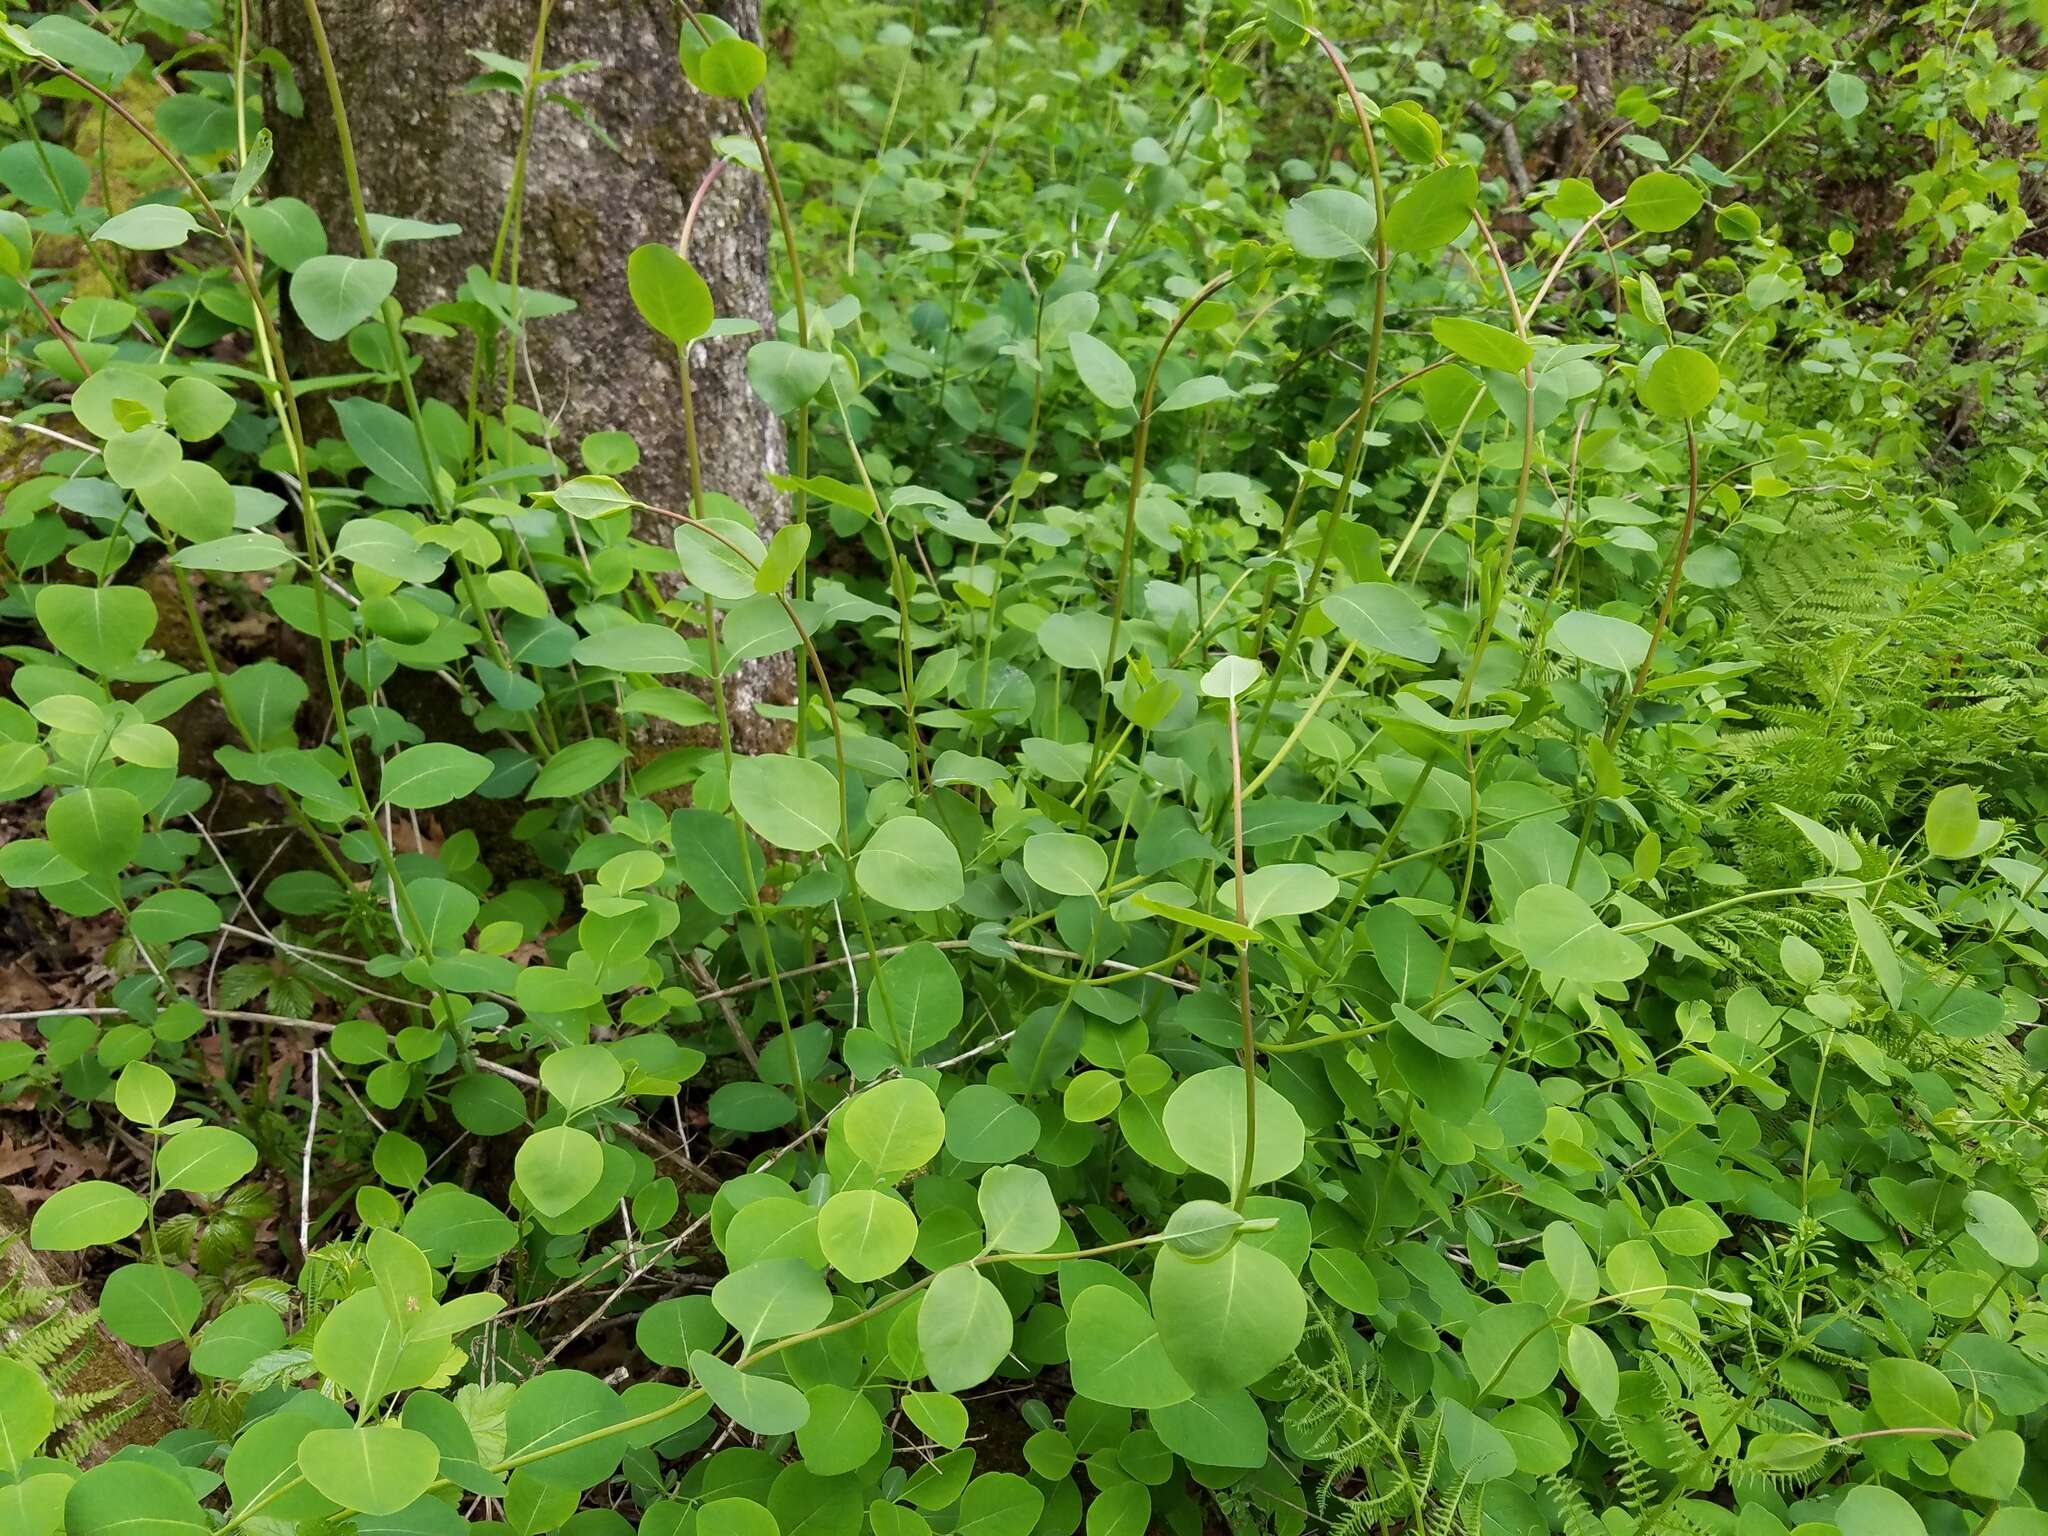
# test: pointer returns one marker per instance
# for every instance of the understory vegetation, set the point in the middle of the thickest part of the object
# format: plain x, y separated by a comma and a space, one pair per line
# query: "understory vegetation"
1404, 890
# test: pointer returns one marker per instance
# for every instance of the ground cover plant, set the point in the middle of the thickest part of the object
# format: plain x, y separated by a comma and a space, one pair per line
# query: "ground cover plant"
1400, 882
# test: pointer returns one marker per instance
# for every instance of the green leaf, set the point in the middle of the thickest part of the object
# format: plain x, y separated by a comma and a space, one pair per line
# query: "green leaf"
669, 294
204, 1160
1108, 377
771, 1299
557, 1167
1116, 1354
985, 1125
45, 176
591, 497
1230, 677
564, 1413
1205, 1122
1201, 1229
1571, 1262
197, 408
1868, 1510
1433, 212
86, 49
88, 1214
237, 553
17, 245
1840, 853
1659, 201
1876, 947
1229, 1320
236, 1339
1575, 199
191, 499
939, 1414
1600, 640
1079, 641
144, 1093
148, 227
1678, 383
582, 1077
1951, 824
2001, 1231
1416, 134
1331, 224
1191, 394
100, 629
785, 375
717, 858
433, 773
895, 1126
1912, 1393
332, 295
912, 865
963, 1328
1000, 1504
1018, 1211
668, 1331
1989, 1467
757, 1403
375, 1469
286, 230
788, 802
1222, 928
1563, 937
1511, 1350
1589, 1364
866, 1234
1689, 1230
653, 648
785, 557
720, 556
99, 830
137, 460
1848, 95
918, 1003
1283, 890
1488, 346
150, 1304
1066, 863
1380, 616
841, 1433
1215, 1429
133, 1498
1479, 1451
730, 1517
580, 766
389, 448
27, 1413
731, 67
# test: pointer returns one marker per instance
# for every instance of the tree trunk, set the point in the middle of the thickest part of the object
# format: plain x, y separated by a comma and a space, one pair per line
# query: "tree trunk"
430, 150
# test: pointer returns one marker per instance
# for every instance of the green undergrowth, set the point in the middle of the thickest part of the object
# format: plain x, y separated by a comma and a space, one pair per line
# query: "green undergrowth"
1404, 891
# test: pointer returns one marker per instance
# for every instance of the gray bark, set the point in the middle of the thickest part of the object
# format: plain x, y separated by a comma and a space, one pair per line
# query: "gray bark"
428, 150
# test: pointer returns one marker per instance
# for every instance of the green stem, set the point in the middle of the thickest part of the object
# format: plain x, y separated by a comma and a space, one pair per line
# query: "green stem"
1249, 1048
718, 700
1354, 457
1137, 478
